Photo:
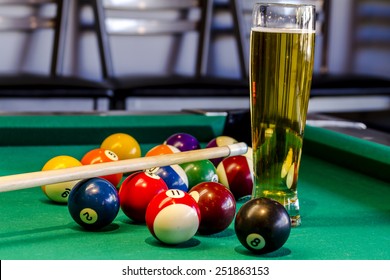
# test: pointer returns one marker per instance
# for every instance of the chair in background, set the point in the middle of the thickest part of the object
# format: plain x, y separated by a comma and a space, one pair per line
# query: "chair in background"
187, 23
52, 84
229, 22
325, 83
370, 35
368, 69
352, 83
369, 19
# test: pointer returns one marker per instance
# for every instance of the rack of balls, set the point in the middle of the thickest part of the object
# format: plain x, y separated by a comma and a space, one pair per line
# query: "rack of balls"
154, 196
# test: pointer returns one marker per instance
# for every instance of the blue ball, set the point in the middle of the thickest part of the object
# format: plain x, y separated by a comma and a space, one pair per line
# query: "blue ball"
174, 176
93, 203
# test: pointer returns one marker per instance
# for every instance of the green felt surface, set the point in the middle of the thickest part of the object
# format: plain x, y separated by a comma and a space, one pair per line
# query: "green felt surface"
345, 215
363, 156
88, 129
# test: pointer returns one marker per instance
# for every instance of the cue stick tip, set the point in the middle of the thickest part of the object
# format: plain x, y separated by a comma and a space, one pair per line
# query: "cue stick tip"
238, 149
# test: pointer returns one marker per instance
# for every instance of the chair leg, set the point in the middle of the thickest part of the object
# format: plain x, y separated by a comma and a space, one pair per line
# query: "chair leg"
118, 103
102, 38
240, 35
62, 14
204, 38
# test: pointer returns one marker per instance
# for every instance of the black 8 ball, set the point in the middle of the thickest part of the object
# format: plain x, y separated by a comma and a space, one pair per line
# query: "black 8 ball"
262, 225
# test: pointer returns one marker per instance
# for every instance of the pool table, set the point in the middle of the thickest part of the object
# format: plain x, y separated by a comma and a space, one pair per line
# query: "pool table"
344, 189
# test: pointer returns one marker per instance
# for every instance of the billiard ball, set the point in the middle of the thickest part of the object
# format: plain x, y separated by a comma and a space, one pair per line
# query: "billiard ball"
200, 171
136, 191
93, 203
218, 142
183, 141
289, 170
123, 145
100, 155
59, 192
217, 206
262, 225
162, 149
173, 217
236, 173
174, 176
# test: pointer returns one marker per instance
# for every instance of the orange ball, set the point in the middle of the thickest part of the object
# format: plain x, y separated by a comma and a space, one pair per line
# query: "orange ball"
162, 149
100, 155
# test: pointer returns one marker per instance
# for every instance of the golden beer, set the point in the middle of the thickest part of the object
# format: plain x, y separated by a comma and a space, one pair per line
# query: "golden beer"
281, 68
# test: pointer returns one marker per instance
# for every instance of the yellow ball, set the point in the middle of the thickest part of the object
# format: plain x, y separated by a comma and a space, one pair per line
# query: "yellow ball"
59, 192
123, 145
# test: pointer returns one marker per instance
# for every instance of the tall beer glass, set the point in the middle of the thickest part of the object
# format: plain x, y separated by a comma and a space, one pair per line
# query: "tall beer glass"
281, 65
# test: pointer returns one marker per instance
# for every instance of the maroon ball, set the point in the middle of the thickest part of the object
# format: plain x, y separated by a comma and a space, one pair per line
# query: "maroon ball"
217, 206
236, 173
183, 141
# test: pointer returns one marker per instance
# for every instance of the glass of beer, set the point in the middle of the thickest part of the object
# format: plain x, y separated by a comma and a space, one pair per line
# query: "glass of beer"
281, 65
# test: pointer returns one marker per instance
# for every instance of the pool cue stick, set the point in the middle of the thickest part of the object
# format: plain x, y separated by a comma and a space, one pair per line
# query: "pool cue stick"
41, 178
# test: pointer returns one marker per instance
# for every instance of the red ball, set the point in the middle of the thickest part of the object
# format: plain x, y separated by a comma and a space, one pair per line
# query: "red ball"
173, 217
236, 173
217, 206
137, 191
99, 156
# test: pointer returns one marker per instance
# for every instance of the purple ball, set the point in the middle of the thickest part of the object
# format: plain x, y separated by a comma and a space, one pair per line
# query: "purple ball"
183, 141
218, 142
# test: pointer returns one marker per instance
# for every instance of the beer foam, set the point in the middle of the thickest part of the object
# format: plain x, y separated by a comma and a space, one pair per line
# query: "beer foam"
281, 30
